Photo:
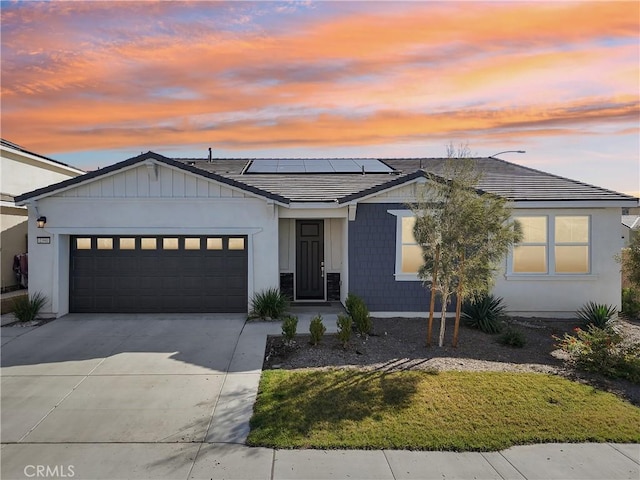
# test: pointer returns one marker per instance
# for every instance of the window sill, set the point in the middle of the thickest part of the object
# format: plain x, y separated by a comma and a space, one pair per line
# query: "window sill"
552, 278
406, 277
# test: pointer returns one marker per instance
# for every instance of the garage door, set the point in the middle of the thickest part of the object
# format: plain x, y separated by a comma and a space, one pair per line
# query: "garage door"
127, 274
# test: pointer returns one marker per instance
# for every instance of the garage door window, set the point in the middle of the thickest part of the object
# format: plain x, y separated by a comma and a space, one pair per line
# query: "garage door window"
192, 244
83, 243
214, 243
127, 244
148, 243
170, 243
105, 243
236, 244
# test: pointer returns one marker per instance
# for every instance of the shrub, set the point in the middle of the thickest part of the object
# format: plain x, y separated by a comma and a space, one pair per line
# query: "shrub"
485, 313
596, 314
513, 338
345, 324
289, 327
269, 303
603, 350
359, 312
26, 309
630, 302
316, 329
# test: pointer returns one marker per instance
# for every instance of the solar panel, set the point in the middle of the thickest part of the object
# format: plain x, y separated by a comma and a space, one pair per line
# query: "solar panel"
319, 165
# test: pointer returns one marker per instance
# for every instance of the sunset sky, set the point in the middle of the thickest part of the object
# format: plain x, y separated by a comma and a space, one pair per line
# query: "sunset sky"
93, 83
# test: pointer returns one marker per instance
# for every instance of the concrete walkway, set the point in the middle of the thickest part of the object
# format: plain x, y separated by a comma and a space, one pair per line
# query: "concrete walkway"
90, 444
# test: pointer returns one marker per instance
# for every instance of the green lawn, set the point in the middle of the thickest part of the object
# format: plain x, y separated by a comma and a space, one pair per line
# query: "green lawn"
426, 411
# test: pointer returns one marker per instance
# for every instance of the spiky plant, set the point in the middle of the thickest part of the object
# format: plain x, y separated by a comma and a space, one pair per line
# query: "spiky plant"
27, 308
486, 313
269, 303
597, 314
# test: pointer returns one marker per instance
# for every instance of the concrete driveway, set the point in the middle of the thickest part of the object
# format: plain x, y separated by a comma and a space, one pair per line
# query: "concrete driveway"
116, 379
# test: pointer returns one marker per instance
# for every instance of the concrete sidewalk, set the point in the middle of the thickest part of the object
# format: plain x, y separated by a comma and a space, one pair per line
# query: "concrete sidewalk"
114, 461
221, 453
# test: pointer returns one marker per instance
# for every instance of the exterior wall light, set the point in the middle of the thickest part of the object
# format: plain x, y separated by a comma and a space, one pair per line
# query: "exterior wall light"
41, 221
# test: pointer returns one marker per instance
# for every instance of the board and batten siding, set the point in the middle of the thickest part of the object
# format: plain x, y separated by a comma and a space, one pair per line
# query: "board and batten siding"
140, 182
372, 262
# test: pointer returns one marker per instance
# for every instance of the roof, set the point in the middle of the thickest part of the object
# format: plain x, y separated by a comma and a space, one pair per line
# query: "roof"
8, 144
631, 221
509, 180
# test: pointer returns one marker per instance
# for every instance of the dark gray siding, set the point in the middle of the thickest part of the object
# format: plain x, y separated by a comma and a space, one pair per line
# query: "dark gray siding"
372, 259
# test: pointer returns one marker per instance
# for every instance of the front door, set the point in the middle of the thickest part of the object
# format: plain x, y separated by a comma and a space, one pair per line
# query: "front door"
310, 259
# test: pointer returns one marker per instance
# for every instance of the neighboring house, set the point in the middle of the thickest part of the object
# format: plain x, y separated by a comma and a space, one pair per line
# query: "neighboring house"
21, 171
630, 228
155, 234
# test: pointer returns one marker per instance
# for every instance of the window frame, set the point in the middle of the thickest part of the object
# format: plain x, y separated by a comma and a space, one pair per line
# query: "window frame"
544, 244
398, 274
510, 274
551, 245
587, 244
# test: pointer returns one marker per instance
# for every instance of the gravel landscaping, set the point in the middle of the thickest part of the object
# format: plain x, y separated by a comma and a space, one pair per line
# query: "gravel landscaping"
398, 344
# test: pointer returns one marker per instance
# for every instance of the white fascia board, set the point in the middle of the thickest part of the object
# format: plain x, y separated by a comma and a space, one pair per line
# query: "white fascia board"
315, 210
42, 160
136, 231
575, 204
314, 205
11, 205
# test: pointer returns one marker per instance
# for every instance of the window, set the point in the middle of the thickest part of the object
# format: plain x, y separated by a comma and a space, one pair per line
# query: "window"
170, 244
236, 244
83, 243
214, 243
105, 243
572, 244
411, 253
192, 244
408, 252
530, 255
557, 244
127, 244
148, 243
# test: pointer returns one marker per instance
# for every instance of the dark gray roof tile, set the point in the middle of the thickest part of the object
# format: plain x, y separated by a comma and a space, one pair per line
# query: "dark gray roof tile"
515, 182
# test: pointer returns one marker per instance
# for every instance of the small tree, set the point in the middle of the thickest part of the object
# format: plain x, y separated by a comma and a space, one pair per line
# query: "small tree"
630, 259
464, 233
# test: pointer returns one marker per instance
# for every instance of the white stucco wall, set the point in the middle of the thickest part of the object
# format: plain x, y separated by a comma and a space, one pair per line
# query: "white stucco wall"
68, 214
561, 295
21, 173
13, 241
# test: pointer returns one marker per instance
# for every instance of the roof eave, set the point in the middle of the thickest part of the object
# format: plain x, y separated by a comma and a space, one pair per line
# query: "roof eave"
17, 150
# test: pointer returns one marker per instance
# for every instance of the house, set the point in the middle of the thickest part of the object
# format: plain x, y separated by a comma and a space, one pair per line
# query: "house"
630, 228
158, 234
22, 171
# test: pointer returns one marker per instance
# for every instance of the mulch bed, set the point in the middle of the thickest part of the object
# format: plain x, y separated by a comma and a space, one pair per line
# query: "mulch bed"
398, 344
